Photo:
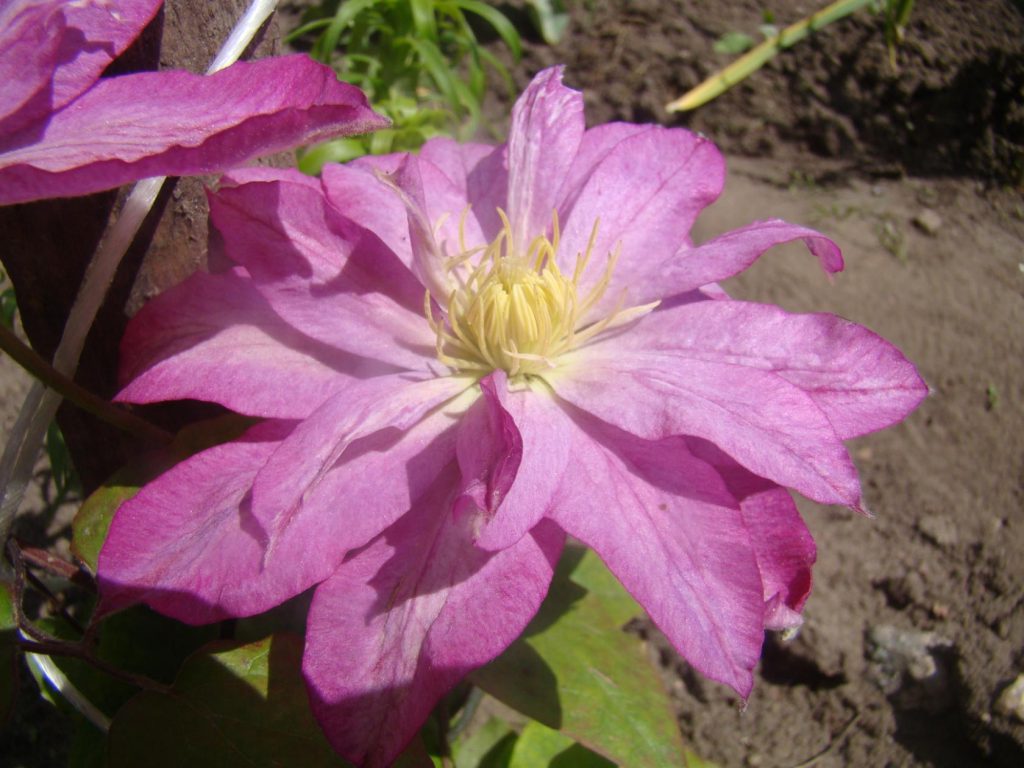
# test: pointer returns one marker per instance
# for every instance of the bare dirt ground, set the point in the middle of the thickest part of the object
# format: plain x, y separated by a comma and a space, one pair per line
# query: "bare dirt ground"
916, 625
915, 628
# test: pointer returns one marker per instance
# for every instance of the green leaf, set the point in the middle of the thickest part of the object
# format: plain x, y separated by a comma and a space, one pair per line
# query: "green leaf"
593, 575
8, 650
489, 746
230, 706
91, 523
575, 671
694, 761
539, 745
496, 19
733, 43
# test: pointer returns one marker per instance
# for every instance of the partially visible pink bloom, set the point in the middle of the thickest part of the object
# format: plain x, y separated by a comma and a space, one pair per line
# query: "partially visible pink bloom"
64, 131
461, 356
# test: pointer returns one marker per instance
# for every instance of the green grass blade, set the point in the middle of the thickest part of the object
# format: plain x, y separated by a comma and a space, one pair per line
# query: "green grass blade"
497, 20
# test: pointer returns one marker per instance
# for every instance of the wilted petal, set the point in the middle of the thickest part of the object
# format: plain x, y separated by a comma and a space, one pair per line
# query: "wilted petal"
187, 544
861, 381
545, 446
215, 338
177, 123
402, 621
489, 450
322, 273
665, 525
770, 426
725, 256
547, 128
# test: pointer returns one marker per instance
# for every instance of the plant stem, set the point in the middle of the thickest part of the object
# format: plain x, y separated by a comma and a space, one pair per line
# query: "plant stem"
27, 358
757, 57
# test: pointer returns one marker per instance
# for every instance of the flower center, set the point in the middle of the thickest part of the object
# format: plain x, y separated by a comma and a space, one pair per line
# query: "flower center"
513, 309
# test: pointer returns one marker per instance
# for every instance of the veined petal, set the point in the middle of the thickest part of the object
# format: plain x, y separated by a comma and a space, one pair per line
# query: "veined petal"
768, 425
364, 407
644, 195
358, 194
378, 479
546, 131
725, 256
187, 544
403, 620
649, 510
177, 123
861, 381
322, 273
215, 338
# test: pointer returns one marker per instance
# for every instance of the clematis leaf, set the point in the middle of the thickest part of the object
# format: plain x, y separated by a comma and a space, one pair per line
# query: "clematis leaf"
243, 705
137, 640
489, 746
574, 671
594, 576
8, 650
89, 528
540, 745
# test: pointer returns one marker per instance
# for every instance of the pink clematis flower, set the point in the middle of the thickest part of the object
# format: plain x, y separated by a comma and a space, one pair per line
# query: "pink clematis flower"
459, 357
64, 131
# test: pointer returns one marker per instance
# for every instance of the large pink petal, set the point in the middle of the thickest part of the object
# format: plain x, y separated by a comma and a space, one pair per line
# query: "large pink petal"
187, 543
395, 402
665, 525
402, 621
644, 196
322, 273
215, 338
770, 426
377, 480
53, 50
177, 123
546, 131
722, 257
861, 381
358, 194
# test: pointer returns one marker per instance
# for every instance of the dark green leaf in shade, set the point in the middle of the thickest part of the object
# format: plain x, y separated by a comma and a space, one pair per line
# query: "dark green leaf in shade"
574, 670
489, 746
231, 705
8, 650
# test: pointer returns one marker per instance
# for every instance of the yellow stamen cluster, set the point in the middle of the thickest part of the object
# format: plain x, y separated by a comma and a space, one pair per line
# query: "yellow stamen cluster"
515, 310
